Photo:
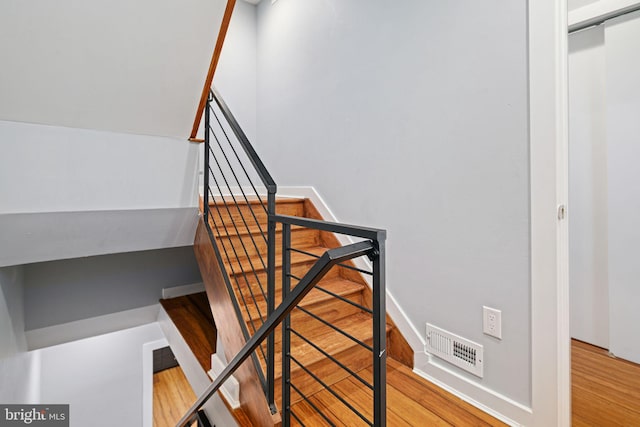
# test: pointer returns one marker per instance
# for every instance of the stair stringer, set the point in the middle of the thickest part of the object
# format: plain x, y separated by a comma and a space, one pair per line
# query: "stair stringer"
252, 399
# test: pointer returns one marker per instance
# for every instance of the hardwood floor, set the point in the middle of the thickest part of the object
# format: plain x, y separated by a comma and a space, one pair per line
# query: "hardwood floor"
172, 397
605, 390
411, 401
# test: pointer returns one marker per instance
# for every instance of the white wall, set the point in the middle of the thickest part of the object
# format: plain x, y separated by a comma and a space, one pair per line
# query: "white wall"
413, 118
576, 4
604, 202
72, 192
58, 169
101, 378
132, 67
19, 370
623, 128
588, 204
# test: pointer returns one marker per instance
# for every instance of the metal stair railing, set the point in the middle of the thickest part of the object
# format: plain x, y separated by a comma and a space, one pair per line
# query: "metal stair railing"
378, 311
238, 236
320, 268
228, 159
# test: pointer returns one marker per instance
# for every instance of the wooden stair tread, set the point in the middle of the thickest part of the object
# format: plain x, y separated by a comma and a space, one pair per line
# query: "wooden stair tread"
242, 230
357, 325
337, 285
193, 319
296, 258
253, 230
260, 282
250, 214
255, 245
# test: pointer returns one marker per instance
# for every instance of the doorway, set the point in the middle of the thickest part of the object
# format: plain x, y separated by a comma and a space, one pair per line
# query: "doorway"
604, 203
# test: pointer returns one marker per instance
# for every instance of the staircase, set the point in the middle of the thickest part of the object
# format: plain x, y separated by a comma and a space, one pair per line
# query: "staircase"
294, 312
314, 343
299, 312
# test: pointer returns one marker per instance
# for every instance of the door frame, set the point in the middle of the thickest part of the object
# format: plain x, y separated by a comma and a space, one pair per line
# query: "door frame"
548, 133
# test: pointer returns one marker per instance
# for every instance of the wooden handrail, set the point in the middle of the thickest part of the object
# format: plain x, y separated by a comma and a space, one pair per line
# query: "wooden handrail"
224, 26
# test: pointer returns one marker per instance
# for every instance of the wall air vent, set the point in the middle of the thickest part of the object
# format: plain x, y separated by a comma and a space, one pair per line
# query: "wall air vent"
456, 350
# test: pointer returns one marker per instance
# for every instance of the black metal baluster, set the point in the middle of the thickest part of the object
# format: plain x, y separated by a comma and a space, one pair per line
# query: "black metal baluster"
206, 162
286, 325
379, 336
271, 296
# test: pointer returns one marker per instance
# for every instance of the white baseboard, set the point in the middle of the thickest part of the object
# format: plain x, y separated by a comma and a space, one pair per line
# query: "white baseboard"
231, 388
79, 329
485, 399
178, 291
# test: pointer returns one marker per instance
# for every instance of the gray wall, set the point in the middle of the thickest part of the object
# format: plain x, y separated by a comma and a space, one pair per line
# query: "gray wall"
236, 77
19, 378
236, 80
412, 116
63, 291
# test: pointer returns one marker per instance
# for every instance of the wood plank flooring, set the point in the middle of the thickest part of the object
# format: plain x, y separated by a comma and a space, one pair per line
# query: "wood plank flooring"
605, 390
172, 397
411, 401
